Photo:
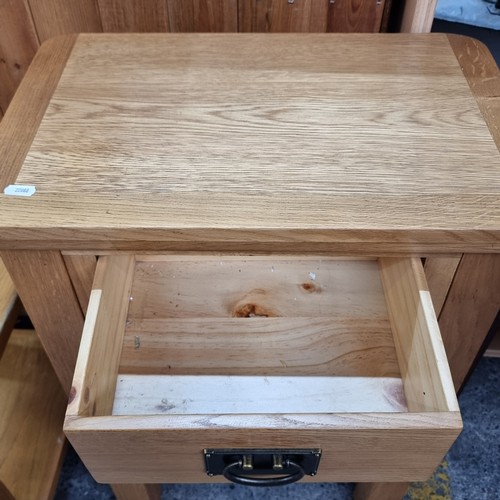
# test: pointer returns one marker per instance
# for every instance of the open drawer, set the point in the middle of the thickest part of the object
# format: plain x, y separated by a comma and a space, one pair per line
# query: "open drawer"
182, 354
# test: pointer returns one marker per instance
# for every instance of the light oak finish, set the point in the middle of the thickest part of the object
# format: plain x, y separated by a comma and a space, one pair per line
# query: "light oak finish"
25, 23
205, 419
154, 448
271, 135
9, 307
50, 301
21, 121
420, 350
95, 372
81, 269
439, 273
31, 417
472, 306
482, 76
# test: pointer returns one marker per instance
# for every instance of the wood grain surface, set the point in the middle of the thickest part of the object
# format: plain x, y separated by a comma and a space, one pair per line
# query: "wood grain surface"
258, 153
9, 307
25, 23
124, 16
202, 15
483, 77
258, 316
355, 16
419, 347
94, 381
62, 17
81, 269
152, 448
269, 346
439, 273
21, 121
245, 395
470, 309
198, 415
31, 415
279, 16
18, 45
42, 281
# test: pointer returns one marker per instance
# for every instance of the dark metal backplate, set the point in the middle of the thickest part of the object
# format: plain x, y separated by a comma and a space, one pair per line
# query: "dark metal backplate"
216, 460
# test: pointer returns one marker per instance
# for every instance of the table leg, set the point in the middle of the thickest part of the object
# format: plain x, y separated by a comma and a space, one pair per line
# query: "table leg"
137, 491
380, 491
471, 306
43, 284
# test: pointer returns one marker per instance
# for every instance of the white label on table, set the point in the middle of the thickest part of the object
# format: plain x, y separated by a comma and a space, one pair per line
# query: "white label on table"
19, 190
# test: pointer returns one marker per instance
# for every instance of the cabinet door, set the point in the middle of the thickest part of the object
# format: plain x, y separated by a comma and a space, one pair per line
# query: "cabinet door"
202, 15
133, 15
58, 17
318, 16
355, 16
277, 16
168, 15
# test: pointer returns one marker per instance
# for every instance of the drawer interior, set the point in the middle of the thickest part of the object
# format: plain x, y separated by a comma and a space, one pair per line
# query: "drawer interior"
224, 351
196, 335
257, 335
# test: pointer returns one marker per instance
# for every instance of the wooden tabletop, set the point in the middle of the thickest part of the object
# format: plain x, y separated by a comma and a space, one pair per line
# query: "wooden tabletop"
258, 142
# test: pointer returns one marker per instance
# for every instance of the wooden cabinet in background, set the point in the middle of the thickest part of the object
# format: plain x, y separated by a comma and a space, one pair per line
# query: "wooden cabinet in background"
278, 16
25, 24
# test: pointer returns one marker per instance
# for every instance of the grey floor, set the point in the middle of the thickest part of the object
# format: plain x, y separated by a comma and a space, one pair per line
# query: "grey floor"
473, 461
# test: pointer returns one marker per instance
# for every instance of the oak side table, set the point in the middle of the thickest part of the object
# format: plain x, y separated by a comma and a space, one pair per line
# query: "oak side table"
135, 164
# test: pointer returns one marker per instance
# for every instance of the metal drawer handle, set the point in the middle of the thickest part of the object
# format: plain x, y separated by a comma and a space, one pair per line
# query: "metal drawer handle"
231, 473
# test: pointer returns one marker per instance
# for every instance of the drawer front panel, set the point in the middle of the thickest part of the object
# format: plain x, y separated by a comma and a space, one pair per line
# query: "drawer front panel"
359, 447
